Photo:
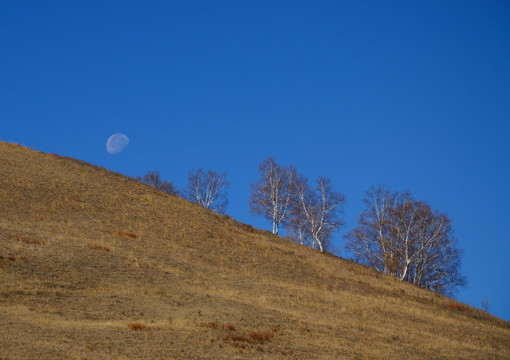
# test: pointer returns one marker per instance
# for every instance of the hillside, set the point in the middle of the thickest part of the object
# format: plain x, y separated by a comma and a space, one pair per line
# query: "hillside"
94, 265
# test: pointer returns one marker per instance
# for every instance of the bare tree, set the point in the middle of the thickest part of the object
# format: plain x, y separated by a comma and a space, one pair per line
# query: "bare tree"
208, 188
296, 225
315, 213
435, 258
403, 237
153, 178
373, 245
271, 194
485, 304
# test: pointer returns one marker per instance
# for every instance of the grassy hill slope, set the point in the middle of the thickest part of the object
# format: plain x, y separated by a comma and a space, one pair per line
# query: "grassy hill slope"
94, 265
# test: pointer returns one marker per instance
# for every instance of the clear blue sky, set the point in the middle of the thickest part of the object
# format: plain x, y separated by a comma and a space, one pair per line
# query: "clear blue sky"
412, 94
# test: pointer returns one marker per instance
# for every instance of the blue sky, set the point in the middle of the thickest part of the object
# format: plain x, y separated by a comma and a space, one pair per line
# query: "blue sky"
415, 95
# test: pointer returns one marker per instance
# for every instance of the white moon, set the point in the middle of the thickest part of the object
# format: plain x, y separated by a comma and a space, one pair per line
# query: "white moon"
116, 143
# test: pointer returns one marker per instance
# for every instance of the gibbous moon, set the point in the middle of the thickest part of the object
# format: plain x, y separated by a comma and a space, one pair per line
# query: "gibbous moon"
116, 143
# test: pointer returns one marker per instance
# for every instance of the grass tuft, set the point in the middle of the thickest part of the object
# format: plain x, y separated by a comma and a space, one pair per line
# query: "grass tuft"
238, 338
261, 338
30, 241
215, 325
212, 324
248, 228
286, 352
137, 326
98, 247
229, 327
126, 234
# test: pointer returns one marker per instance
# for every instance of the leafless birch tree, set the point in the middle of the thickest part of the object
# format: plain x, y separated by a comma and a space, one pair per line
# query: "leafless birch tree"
403, 237
315, 214
296, 225
270, 195
208, 188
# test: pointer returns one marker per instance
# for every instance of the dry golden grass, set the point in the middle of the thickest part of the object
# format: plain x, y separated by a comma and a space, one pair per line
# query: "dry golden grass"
94, 265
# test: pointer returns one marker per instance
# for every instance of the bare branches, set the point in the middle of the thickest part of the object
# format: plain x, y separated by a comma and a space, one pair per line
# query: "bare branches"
271, 194
153, 178
403, 237
285, 197
314, 215
208, 188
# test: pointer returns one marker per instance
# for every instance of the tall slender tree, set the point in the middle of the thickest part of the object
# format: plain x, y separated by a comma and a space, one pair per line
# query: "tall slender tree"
271, 194
315, 212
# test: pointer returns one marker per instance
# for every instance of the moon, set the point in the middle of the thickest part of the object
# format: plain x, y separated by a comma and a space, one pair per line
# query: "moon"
116, 143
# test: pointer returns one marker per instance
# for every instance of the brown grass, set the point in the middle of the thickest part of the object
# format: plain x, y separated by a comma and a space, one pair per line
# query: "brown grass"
212, 325
211, 286
30, 241
96, 246
215, 325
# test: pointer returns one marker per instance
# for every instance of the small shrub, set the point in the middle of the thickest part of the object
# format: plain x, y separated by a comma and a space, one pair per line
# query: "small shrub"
457, 306
261, 338
30, 241
126, 234
137, 326
98, 247
229, 327
248, 228
11, 258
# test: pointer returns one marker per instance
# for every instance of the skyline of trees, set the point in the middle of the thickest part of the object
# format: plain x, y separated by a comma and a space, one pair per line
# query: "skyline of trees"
396, 234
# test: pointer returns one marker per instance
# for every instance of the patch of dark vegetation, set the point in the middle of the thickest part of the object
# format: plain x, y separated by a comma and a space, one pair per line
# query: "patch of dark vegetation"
457, 306
27, 240
98, 247
126, 234
137, 326
215, 325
